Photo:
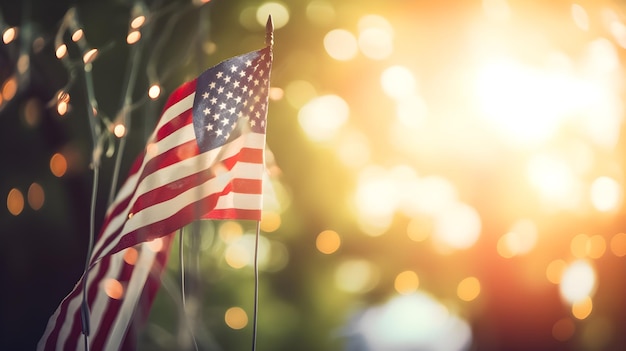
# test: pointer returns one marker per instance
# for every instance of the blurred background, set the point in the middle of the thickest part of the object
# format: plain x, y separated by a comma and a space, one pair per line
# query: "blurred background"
445, 175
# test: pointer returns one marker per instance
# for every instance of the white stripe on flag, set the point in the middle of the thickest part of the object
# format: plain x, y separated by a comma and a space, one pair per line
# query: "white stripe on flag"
99, 305
75, 304
134, 290
171, 173
242, 201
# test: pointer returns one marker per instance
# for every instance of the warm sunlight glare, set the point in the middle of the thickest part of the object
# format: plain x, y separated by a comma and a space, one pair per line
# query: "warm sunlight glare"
526, 104
555, 180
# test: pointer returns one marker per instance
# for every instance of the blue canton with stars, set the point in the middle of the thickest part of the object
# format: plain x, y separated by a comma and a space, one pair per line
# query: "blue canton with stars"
232, 97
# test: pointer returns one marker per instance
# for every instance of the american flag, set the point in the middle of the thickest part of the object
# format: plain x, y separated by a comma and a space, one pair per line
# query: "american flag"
205, 159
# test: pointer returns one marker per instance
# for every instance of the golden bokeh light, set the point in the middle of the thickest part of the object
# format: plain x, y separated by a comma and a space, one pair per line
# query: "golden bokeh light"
618, 30
520, 240
504, 246
236, 318
133, 37
563, 329
406, 282
9, 35
9, 88
152, 149
618, 244
138, 22
270, 221
375, 37
340, 44
320, 12
398, 82
119, 130
62, 108
578, 282
155, 245
606, 194
58, 164
230, 231
328, 241
458, 226
237, 256
113, 288
323, 116
468, 289
419, 228
555, 180
356, 276
276, 93
580, 17
299, 92
78, 35
32, 112
353, 149
15, 201
90, 56
154, 92
555, 270
596, 246
23, 63
583, 246
412, 112
130, 255
36, 196
578, 245
61, 51
582, 309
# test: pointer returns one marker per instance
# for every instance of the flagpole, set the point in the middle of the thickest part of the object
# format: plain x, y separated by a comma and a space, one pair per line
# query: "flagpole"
182, 288
269, 41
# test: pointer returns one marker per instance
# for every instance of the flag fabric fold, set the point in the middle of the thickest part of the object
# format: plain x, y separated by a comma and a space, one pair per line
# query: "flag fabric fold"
204, 160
